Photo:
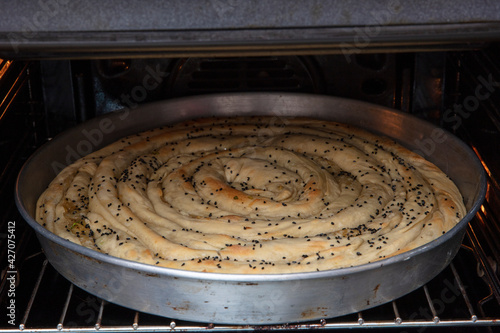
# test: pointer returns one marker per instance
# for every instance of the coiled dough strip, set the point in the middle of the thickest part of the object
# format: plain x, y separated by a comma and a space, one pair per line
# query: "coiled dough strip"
251, 195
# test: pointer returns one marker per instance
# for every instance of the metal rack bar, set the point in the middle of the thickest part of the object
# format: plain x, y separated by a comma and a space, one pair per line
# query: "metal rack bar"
98, 324
489, 226
217, 328
397, 317
33, 295
65, 308
435, 317
473, 316
135, 324
13, 91
361, 321
493, 279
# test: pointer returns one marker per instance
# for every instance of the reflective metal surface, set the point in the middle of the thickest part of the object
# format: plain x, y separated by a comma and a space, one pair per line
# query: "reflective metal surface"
93, 29
251, 299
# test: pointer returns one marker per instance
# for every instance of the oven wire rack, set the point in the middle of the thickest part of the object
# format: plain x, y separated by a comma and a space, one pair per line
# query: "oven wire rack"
475, 316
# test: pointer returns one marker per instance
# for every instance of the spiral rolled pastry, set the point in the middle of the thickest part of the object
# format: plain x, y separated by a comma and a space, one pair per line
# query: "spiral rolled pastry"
252, 195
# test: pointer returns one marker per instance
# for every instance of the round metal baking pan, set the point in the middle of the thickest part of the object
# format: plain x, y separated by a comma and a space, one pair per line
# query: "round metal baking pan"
251, 299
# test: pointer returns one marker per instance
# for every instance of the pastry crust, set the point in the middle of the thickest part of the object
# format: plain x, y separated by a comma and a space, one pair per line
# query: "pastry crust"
252, 195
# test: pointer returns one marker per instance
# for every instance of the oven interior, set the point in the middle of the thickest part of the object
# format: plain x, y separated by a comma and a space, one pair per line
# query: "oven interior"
458, 90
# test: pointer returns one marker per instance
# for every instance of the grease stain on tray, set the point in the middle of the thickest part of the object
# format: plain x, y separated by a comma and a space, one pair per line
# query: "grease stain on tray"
314, 313
183, 307
375, 290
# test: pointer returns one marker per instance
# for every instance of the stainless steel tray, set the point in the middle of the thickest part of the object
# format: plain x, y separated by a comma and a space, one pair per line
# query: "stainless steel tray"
251, 299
